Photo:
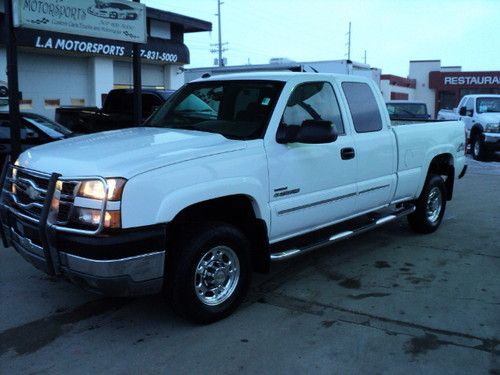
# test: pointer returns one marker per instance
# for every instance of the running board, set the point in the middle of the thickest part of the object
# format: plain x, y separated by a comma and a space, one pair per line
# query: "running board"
288, 254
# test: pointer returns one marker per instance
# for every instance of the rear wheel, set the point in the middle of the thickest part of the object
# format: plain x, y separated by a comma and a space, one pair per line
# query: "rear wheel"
211, 272
430, 206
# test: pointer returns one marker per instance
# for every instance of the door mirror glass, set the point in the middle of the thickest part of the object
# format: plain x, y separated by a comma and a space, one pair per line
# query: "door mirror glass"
462, 111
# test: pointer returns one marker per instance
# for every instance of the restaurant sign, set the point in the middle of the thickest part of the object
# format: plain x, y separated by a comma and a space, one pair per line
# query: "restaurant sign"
117, 19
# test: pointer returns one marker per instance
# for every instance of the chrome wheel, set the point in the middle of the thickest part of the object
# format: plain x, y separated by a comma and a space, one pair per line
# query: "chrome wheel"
434, 205
477, 148
217, 275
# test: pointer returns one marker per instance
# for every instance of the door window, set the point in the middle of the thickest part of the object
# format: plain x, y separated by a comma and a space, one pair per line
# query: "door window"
25, 133
469, 107
364, 109
313, 101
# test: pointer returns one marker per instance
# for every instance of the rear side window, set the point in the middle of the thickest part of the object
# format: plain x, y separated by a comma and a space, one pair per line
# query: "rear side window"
364, 109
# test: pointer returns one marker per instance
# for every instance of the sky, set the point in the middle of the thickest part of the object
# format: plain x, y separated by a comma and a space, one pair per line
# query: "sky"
393, 32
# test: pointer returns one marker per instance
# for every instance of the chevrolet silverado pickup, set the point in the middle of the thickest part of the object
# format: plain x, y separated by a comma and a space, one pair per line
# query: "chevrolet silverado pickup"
231, 174
481, 115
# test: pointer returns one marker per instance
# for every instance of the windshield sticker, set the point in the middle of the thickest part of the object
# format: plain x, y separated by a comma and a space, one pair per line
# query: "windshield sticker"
266, 101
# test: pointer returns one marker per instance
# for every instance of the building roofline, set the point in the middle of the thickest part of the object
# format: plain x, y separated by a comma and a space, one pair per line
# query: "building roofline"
191, 25
425, 61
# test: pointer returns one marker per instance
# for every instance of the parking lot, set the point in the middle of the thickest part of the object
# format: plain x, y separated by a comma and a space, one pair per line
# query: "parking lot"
387, 302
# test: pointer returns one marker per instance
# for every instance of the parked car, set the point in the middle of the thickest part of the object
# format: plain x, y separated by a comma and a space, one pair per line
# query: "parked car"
404, 109
113, 10
116, 113
35, 130
231, 174
481, 115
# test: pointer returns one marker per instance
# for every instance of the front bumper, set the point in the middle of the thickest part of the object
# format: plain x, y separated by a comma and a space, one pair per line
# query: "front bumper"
492, 141
127, 262
128, 276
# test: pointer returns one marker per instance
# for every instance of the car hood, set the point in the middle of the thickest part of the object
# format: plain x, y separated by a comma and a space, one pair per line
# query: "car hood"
488, 117
126, 152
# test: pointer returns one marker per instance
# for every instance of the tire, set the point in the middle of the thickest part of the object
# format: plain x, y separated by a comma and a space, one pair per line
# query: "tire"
430, 206
210, 274
477, 148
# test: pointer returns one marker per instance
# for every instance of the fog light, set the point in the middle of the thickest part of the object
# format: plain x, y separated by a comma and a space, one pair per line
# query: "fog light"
112, 219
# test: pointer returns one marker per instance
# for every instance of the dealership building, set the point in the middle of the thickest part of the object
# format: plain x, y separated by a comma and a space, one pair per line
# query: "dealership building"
438, 86
60, 69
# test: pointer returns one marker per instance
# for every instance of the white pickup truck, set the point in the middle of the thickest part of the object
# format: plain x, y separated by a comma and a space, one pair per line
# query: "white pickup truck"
231, 173
481, 115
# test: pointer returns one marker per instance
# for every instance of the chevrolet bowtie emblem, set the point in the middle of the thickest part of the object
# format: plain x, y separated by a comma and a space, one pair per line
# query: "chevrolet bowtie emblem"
32, 193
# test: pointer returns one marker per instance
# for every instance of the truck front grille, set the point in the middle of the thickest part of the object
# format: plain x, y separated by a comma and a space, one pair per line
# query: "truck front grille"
27, 192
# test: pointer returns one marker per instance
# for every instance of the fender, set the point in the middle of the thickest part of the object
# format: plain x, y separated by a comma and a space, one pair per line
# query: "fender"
448, 149
178, 200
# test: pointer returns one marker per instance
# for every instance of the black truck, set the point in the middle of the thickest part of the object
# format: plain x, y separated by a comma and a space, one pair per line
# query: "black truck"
116, 113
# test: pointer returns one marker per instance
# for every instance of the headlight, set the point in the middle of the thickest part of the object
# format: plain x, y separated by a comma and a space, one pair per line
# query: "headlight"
94, 189
492, 128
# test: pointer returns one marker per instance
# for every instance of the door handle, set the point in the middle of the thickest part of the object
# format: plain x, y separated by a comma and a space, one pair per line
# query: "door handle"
347, 153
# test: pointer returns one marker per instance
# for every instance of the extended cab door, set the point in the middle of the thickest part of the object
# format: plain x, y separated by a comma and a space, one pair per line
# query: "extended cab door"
375, 146
311, 185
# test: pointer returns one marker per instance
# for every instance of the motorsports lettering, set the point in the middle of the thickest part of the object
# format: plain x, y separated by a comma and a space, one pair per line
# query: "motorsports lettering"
118, 19
101, 48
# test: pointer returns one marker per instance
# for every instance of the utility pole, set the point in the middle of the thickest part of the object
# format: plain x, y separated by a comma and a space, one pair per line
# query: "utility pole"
219, 45
220, 33
13, 83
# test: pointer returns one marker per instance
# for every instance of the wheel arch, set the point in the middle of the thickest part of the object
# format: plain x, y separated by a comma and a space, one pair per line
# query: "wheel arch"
443, 165
239, 210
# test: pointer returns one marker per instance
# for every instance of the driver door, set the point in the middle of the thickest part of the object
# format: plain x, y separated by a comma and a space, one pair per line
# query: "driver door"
311, 185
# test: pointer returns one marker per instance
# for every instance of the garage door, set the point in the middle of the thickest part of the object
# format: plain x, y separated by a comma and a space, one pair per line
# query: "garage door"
152, 75
48, 81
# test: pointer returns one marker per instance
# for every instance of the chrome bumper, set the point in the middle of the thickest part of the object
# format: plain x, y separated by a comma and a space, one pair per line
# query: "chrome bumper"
137, 275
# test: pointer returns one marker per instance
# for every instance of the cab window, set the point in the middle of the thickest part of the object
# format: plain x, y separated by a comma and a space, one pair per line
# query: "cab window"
313, 101
364, 109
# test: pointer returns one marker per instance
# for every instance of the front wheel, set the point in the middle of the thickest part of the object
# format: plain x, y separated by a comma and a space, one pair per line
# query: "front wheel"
478, 150
211, 272
430, 206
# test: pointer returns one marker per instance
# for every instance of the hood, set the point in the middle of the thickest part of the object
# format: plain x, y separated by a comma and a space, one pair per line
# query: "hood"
488, 117
125, 153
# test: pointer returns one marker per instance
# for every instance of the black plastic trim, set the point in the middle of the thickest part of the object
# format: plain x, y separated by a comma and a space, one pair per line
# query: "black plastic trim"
114, 245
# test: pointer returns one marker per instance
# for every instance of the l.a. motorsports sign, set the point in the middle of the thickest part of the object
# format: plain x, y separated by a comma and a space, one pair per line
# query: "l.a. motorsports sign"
115, 19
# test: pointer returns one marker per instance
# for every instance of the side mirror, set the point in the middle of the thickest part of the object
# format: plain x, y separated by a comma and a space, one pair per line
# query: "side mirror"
462, 111
310, 132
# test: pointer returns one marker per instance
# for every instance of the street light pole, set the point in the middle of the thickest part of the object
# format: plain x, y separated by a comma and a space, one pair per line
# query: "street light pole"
13, 83
136, 61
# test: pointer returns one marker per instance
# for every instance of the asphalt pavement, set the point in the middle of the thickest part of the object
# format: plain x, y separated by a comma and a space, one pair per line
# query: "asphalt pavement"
387, 302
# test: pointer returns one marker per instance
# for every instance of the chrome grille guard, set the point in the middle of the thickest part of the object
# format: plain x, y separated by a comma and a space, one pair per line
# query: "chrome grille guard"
46, 222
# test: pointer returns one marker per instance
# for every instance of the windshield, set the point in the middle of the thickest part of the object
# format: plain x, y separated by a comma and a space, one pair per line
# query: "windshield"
407, 109
491, 104
234, 109
52, 129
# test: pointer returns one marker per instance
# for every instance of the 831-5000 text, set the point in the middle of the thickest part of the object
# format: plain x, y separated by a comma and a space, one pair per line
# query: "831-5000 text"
160, 56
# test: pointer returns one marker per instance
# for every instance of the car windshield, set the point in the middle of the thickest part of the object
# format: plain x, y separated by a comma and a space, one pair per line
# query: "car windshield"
488, 105
51, 128
234, 109
407, 109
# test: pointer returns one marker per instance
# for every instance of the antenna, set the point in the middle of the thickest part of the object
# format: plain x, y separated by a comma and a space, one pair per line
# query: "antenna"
349, 42
365, 56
